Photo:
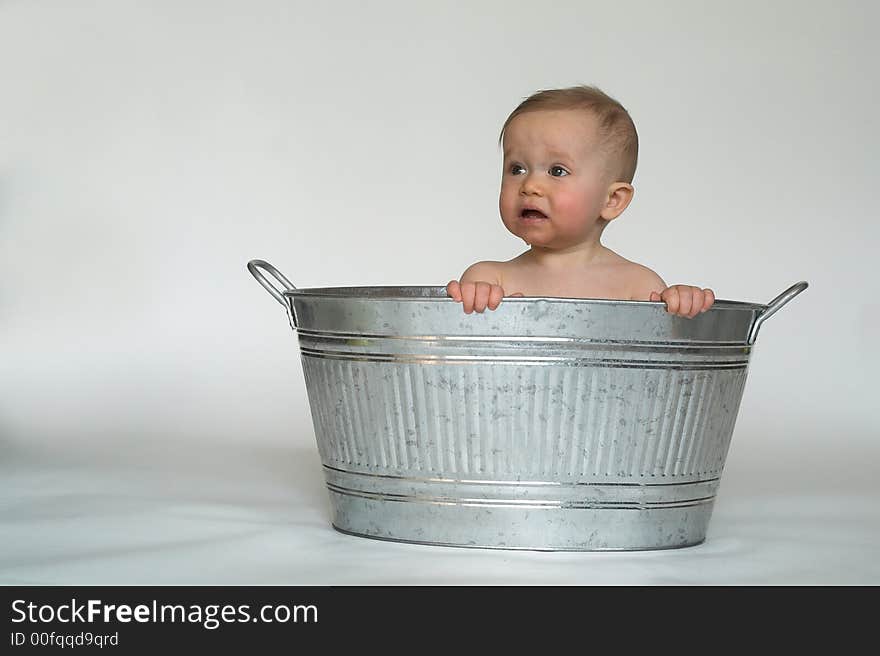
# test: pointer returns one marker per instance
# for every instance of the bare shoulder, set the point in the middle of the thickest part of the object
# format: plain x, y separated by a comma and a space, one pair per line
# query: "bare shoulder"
640, 280
486, 271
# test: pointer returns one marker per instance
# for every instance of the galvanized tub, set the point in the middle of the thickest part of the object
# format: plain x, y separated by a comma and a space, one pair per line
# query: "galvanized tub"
547, 424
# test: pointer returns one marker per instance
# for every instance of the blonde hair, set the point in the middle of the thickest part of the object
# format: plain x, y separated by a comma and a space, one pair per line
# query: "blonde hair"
617, 132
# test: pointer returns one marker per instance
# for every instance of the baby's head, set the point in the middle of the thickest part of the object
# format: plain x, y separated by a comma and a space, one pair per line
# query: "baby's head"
618, 139
569, 160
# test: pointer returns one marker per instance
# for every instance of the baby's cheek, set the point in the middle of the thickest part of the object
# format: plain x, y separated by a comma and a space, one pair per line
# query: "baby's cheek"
507, 205
573, 210
508, 214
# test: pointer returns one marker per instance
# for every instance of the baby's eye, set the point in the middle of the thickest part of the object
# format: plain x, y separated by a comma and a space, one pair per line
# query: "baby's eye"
516, 169
558, 171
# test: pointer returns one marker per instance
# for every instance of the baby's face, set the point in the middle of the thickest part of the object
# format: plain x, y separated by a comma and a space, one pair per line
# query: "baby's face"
554, 185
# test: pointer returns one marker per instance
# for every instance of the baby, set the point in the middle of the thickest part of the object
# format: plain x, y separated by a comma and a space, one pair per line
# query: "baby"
569, 160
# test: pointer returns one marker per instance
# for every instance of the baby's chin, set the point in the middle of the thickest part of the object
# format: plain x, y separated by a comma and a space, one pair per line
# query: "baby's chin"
527, 229
535, 240
545, 235
553, 243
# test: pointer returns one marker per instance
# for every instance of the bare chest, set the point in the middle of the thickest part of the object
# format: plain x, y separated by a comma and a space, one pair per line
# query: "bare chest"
599, 283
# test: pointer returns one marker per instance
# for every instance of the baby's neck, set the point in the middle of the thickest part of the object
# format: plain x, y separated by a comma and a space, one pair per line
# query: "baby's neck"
580, 255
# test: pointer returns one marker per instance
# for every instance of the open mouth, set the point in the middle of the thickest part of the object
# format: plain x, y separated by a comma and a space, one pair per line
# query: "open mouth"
532, 214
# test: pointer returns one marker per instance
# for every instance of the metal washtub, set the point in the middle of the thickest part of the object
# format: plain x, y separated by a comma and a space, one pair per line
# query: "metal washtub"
547, 424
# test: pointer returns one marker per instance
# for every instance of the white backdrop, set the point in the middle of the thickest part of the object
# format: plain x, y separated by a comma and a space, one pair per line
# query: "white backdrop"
154, 423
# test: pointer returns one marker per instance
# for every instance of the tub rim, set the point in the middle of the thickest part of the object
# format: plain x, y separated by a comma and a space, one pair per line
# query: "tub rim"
352, 293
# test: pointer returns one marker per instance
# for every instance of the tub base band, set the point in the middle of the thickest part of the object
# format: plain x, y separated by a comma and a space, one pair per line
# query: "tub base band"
514, 515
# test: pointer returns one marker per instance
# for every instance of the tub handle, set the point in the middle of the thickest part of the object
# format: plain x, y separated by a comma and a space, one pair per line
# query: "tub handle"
254, 267
774, 306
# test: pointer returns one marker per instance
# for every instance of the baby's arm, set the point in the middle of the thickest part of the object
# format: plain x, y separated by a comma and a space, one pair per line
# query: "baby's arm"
683, 300
479, 287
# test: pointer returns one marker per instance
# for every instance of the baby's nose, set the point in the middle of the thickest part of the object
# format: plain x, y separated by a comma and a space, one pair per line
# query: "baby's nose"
531, 186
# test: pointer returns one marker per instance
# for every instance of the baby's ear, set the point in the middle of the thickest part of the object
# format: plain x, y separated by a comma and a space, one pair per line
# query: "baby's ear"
619, 196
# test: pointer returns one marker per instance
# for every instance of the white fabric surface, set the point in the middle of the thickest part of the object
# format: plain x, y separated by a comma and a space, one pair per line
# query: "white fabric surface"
196, 513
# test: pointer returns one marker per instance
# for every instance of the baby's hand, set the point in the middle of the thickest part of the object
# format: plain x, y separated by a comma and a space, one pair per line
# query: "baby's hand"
685, 300
476, 295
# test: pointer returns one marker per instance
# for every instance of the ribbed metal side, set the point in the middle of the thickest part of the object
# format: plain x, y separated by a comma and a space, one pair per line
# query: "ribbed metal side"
512, 421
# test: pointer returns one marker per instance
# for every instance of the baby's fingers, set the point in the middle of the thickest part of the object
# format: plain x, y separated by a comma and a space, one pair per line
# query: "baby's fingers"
467, 296
686, 301
454, 290
696, 302
481, 298
702, 301
496, 293
708, 299
673, 301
